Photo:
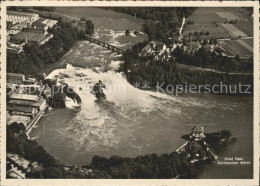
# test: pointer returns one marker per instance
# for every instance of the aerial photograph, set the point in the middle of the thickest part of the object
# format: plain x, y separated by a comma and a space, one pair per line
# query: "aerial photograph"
129, 92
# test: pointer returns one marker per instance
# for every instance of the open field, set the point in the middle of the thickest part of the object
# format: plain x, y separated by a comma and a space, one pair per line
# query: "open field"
244, 44
232, 30
206, 16
227, 15
214, 31
237, 47
215, 14
211, 20
250, 42
227, 48
246, 27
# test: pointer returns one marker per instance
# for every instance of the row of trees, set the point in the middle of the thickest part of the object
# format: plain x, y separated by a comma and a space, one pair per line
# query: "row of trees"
88, 26
207, 59
145, 69
150, 166
163, 166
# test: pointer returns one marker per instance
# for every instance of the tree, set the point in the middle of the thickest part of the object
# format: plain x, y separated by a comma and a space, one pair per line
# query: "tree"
89, 27
34, 174
17, 128
190, 22
127, 32
83, 19
8, 166
52, 172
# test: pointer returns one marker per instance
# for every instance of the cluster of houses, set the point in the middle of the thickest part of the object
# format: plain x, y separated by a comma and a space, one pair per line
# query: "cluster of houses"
26, 99
23, 27
163, 53
18, 167
81, 170
157, 49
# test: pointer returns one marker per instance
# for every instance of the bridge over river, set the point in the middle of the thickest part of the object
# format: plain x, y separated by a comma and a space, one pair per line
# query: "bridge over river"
105, 45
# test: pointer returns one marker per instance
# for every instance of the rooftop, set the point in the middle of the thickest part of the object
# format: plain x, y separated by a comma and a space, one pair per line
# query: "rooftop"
21, 109
19, 160
18, 119
39, 102
25, 14
159, 45
49, 21
15, 75
27, 103
24, 97
39, 23
32, 35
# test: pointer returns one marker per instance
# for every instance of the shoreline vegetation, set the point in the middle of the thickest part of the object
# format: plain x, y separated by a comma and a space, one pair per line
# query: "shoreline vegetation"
159, 26
184, 164
148, 70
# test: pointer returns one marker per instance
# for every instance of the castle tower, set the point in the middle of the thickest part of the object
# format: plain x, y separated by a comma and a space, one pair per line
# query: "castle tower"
197, 133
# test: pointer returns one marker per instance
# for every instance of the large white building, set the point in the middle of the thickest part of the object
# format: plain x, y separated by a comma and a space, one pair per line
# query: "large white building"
44, 24
20, 17
16, 21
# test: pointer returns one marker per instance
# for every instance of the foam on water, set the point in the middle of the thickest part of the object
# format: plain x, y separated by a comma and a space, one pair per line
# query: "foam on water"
119, 91
94, 125
115, 65
97, 124
131, 122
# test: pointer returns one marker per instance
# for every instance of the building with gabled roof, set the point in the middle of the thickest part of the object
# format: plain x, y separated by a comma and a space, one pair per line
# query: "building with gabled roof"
15, 78
197, 133
17, 16
43, 23
24, 97
25, 104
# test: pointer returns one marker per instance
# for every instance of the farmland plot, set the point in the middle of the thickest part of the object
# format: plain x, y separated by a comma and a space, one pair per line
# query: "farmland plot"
206, 16
246, 27
250, 42
214, 31
207, 19
244, 44
232, 30
236, 47
227, 15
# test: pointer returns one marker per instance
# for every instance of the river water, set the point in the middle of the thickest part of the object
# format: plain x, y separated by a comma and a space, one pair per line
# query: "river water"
132, 122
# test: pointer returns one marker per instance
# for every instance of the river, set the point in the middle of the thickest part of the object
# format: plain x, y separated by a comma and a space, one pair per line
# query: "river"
132, 122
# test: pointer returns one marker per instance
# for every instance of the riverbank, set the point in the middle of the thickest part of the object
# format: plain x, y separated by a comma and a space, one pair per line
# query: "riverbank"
35, 120
127, 125
183, 164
